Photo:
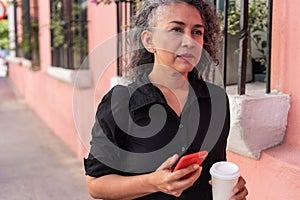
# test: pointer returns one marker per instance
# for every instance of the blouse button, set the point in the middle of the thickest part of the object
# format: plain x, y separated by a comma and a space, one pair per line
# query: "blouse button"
182, 149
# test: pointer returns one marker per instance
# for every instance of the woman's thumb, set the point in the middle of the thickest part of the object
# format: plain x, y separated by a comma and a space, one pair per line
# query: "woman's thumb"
169, 162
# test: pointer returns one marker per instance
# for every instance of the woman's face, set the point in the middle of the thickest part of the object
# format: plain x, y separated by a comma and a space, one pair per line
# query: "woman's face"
178, 37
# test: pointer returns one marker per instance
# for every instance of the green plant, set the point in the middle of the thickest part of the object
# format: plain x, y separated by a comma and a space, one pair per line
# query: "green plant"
4, 41
35, 33
257, 22
106, 2
79, 43
57, 25
30, 34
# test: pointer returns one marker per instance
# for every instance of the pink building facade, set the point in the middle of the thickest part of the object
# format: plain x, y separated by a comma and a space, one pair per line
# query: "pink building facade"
69, 111
276, 175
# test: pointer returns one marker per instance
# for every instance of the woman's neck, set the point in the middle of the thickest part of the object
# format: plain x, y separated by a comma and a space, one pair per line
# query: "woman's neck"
173, 85
169, 78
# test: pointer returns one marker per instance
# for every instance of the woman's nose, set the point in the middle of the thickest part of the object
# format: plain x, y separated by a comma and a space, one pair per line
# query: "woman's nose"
187, 41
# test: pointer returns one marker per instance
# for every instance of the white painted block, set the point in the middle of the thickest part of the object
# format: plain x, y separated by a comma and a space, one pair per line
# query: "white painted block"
258, 122
119, 80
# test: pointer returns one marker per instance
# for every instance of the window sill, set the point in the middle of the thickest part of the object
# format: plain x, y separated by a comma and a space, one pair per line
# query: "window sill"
16, 60
78, 78
28, 64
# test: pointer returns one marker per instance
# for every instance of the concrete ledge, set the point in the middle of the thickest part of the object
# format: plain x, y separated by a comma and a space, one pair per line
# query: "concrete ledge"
78, 78
16, 60
258, 122
26, 63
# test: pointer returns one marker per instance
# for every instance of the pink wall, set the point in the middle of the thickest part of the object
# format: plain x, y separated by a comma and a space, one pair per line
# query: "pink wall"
67, 111
102, 23
51, 100
101, 31
285, 61
19, 23
44, 32
276, 175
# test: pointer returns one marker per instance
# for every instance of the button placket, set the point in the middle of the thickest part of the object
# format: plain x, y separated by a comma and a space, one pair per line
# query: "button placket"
183, 133
180, 126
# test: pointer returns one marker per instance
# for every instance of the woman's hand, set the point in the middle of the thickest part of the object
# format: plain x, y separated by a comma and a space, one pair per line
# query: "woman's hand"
173, 183
240, 191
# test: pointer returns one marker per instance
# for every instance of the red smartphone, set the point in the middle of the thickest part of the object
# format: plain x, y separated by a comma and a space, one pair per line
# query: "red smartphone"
187, 160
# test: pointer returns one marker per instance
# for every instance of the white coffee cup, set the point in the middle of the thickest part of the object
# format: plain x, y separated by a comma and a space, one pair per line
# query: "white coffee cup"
224, 177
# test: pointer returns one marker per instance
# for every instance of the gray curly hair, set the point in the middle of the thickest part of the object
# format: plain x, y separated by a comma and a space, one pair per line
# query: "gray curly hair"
146, 18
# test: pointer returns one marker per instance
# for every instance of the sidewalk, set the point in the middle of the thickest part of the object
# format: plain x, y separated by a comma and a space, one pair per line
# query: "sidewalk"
34, 164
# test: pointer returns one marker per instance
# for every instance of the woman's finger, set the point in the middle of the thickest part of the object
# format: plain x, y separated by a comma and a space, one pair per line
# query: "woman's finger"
185, 171
169, 162
241, 195
240, 184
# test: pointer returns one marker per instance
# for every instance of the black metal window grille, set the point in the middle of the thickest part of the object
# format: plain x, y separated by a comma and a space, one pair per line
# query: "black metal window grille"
27, 43
122, 19
69, 34
244, 38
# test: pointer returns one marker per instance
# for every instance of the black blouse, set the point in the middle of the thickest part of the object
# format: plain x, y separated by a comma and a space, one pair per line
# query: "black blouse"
135, 131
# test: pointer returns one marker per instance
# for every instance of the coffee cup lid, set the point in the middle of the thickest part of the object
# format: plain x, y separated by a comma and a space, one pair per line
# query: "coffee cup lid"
225, 170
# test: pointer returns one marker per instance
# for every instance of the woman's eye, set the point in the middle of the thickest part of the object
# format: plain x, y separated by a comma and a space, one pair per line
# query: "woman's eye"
179, 30
197, 32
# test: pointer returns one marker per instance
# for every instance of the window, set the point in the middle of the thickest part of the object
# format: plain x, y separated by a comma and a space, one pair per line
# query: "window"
69, 44
27, 36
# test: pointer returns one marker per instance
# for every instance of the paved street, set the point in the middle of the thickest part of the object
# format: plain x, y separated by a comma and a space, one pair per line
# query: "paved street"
34, 164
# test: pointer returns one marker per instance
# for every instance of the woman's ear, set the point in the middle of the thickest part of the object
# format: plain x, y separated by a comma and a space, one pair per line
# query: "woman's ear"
147, 41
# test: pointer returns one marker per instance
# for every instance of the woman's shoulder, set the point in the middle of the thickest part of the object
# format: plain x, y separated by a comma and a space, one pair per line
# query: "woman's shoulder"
116, 94
115, 99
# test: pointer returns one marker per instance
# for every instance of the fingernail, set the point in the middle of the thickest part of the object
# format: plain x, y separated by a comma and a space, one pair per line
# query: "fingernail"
195, 166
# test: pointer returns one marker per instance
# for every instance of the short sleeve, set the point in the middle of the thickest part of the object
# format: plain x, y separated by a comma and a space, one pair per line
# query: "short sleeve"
109, 134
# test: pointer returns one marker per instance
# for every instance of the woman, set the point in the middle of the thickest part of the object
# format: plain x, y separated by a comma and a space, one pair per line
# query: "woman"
141, 130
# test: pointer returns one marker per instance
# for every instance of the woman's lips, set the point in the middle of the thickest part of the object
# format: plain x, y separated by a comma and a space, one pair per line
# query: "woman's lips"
187, 57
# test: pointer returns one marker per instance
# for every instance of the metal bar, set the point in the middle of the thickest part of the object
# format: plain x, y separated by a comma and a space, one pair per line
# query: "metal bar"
16, 28
119, 72
26, 10
269, 46
126, 16
131, 2
81, 18
35, 50
70, 51
226, 3
127, 27
242, 68
51, 33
